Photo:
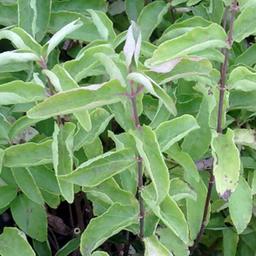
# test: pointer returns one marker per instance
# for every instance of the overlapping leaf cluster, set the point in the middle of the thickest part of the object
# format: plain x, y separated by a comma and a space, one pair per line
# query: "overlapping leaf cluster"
138, 87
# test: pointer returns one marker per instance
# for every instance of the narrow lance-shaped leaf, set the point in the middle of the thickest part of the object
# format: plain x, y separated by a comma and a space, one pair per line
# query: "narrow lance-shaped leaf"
149, 149
154, 247
155, 90
240, 206
1, 159
77, 99
191, 42
27, 184
117, 218
62, 149
61, 34
30, 217
226, 168
96, 170
28, 154
14, 242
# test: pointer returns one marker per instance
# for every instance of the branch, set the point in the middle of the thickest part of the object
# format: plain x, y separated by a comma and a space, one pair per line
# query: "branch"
222, 88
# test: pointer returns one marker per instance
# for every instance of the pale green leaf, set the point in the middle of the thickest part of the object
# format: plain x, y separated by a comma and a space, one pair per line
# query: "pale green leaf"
242, 79
117, 218
61, 34
93, 149
100, 118
243, 25
100, 253
20, 92
230, 241
8, 193
153, 247
34, 16
27, 184
78, 99
226, 167
172, 131
149, 149
14, 242
240, 206
96, 170
8, 14
30, 217
191, 42
151, 16
242, 100
245, 137
133, 8
69, 247
1, 160
62, 149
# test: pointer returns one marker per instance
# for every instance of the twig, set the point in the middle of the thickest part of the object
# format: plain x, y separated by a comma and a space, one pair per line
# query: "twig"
132, 96
222, 88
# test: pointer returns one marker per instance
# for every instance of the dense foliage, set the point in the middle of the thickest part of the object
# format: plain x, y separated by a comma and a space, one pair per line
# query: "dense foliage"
127, 127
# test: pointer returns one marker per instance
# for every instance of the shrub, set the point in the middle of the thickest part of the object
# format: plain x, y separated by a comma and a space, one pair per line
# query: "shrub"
127, 127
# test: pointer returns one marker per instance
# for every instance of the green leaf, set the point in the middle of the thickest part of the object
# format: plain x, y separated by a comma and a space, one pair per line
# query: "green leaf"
246, 58
172, 242
45, 178
154, 247
155, 90
179, 190
149, 149
77, 99
69, 247
100, 119
87, 60
1, 159
230, 241
61, 34
242, 100
42, 248
168, 212
27, 184
62, 149
151, 16
8, 193
133, 8
185, 160
242, 79
240, 206
117, 218
243, 25
179, 28
16, 57
245, 137
20, 92
93, 149
34, 16
8, 14
226, 167
28, 154
99, 253
30, 217
98, 169
78, 5
172, 131
14, 242
191, 42
103, 24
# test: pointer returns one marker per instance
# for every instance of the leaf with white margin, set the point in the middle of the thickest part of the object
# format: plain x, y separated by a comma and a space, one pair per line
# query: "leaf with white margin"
12, 57
14, 38
14, 242
153, 247
242, 79
198, 39
132, 44
245, 137
117, 218
154, 89
226, 166
53, 79
241, 205
61, 34
73, 100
